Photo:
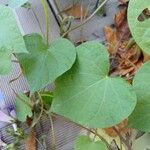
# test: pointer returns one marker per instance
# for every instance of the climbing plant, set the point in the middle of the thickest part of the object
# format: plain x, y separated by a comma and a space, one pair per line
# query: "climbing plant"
85, 91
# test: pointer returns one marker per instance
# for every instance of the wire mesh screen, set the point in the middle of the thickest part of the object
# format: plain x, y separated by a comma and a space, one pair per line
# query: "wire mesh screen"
65, 134
65, 131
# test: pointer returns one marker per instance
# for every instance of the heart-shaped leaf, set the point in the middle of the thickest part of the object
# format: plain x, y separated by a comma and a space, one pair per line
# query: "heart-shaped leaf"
139, 30
23, 108
16, 3
44, 64
11, 40
86, 95
140, 118
5, 61
85, 143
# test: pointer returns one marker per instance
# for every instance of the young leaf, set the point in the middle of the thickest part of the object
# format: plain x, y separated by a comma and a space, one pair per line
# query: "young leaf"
44, 64
16, 3
139, 30
140, 119
11, 40
22, 108
47, 98
85, 143
86, 95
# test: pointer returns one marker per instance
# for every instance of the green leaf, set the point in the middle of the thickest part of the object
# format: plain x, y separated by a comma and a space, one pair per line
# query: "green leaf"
139, 30
23, 108
47, 98
44, 64
86, 95
16, 3
5, 64
85, 143
140, 118
11, 40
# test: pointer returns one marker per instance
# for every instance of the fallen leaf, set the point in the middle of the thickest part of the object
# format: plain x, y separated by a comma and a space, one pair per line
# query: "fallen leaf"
31, 141
111, 38
122, 128
121, 23
146, 57
127, 55
77, 11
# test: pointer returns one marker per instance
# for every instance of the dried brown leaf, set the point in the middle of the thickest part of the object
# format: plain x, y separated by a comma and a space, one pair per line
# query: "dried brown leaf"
122, 128
128, 58
111, 39
121, 23
31, 141
76, 11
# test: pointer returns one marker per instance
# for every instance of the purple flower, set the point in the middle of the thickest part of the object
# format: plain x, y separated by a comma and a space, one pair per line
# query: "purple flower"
12, 111
4, 117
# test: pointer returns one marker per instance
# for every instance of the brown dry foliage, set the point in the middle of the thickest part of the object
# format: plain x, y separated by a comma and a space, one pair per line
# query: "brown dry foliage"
77, 11
31, 141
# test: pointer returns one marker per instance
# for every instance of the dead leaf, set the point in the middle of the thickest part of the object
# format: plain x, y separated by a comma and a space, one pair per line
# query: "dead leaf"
76, 11
121, 23
146, 57
111, 38
31, 141
128, 56
122, 128
129, 60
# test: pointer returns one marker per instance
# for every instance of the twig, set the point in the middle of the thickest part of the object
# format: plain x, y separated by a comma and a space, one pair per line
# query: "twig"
122, 139
16, 78
85, 21
91, 131
95, 133
38, 141
17, 95
57, 7
46, 19
53, 131
42, 110
34, 13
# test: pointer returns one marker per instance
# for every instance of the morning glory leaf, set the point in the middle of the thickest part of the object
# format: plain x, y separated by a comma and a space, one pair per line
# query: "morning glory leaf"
139, 30
16, 3
11, 40
44, 64
86, 95
5, 61
140, 118
85, 143
23, 108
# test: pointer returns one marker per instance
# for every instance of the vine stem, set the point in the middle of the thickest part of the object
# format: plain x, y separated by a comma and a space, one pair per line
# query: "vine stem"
96, 134
53, 131
43, 2
34, 13
42, 110
126, 143
89, 130
57, 7
86, 20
